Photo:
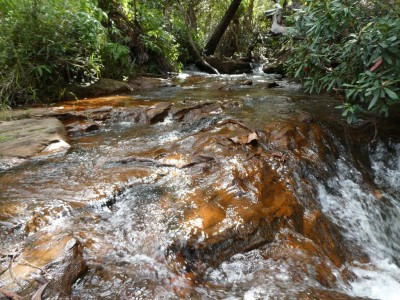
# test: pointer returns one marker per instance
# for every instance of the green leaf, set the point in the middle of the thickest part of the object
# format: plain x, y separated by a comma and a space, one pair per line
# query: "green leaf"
374, 100
392, 95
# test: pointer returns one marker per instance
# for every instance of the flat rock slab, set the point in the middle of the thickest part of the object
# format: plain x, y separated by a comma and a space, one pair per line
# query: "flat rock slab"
27, 138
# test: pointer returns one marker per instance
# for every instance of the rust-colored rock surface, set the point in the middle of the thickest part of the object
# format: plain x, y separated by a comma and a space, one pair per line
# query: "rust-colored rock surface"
246, 194
57, 260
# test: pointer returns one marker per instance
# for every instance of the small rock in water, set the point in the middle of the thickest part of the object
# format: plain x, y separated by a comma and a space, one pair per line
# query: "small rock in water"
271, 84
158, 112
78, 127
247, 82
57, 146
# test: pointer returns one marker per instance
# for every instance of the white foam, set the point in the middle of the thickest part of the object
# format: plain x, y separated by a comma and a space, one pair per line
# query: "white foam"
379, 282
371, 220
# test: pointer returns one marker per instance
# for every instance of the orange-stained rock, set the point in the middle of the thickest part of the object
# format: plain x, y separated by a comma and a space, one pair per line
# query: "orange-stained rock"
57, 259
305, 139
303, 256
248, 193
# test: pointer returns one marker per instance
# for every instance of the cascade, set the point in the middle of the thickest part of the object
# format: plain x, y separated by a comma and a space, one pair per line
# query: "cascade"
206, 187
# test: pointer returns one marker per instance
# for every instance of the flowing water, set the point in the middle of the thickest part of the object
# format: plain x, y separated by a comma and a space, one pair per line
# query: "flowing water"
155, 223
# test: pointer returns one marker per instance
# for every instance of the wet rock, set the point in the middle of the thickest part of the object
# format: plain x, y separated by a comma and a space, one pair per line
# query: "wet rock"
98, 110
44, 217
11, 162
148, 82
130, 114
320, 294
303, 258
196, 112
57, 146
66, 115
102, 87
54, 259
82, 127
97, 114
231, 104
22, 139
141, 114
244, 195
179, 113
317, 228
276, 67
158, 112
271, 84
247, 82
229, 66
305, 139
306, 117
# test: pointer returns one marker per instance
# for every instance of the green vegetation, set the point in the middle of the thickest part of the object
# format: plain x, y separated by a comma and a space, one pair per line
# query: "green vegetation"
352, 48
349, 47
4, 139
48, 45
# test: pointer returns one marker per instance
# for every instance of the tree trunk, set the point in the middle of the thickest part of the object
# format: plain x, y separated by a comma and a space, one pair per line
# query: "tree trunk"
221, 28
134, 10
188, 18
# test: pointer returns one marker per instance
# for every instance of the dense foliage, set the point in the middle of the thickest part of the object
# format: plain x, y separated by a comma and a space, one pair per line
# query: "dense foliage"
353, 48
44, 44
47, 45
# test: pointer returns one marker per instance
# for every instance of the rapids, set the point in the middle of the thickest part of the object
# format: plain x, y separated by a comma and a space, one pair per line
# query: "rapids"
241, 192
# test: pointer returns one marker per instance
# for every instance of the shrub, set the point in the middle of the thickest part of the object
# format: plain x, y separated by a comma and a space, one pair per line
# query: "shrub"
351, 47
46, 45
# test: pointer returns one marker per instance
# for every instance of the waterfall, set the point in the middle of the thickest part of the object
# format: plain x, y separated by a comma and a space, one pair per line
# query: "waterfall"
369, 215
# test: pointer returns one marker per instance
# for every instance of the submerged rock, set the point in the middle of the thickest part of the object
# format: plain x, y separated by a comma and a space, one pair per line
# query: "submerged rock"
243, 195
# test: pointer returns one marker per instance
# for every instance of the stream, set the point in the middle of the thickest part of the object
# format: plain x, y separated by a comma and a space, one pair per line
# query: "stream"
239, 190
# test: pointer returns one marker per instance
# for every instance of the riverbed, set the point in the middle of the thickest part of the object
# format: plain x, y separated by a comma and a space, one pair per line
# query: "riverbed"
210, 187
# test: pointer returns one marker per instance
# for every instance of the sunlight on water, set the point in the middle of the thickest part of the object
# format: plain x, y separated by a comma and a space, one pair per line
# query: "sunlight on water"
144, 169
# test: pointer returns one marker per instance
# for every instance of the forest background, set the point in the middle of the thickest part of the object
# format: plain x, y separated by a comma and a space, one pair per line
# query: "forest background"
350, 48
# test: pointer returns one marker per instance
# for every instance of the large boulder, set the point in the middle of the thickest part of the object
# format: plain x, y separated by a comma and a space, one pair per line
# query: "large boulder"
244, 189
102, 87
27, 138
229, 66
